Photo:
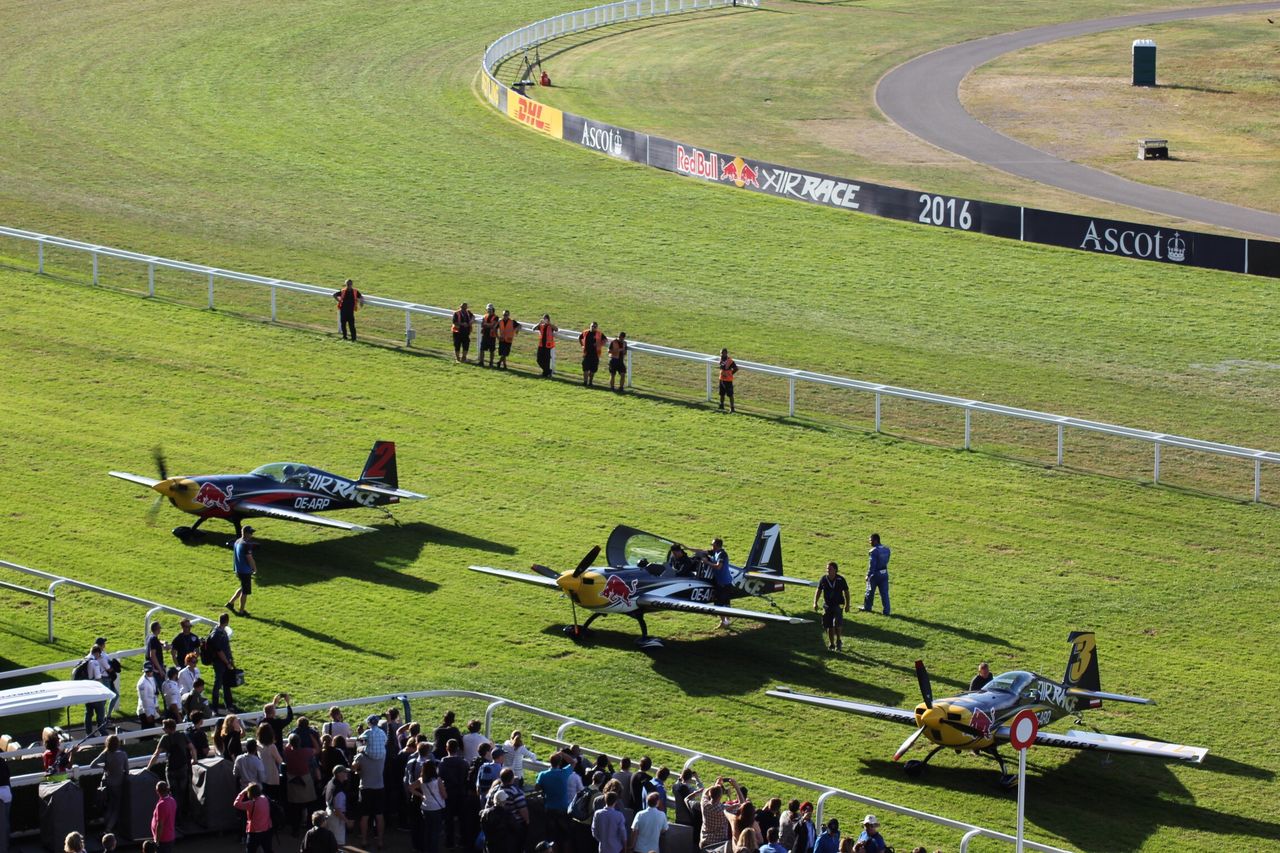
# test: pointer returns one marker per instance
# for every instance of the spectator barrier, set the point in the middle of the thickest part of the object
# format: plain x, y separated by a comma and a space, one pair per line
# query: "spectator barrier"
792, 377
1103, 236
50, 597
826, 793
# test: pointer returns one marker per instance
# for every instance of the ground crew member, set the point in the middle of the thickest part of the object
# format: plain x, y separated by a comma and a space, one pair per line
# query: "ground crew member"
349, 301
618, 362
546, 345
508, 328
463, 320
245, 568
721, 575
833, 590
877, 575
488, 334
593, 341
728, 367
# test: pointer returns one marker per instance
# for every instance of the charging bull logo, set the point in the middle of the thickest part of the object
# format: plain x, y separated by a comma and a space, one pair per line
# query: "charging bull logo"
981, 722
616, 591
740, 172
213, 497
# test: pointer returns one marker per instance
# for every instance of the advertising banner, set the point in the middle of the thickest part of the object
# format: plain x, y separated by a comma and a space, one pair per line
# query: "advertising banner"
1264, 258
540, 117
606, 138
495, 93
1131, 240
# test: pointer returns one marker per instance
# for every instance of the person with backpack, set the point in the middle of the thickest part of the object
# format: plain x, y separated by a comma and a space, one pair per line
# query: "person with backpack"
218, 649
258, 821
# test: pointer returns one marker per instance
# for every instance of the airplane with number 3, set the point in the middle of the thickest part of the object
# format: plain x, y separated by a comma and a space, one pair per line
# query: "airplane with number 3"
978, 721
288, 491
643, 576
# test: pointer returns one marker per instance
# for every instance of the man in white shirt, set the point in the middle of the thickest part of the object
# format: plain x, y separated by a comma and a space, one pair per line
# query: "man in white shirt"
471, 741
171, 693
147, 698
648, 826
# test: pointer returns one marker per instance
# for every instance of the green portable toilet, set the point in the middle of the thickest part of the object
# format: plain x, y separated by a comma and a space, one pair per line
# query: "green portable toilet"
1144, 62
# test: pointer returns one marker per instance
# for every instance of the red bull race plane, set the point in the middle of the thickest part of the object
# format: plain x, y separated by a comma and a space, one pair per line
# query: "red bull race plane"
647, 573
978, 721
288, 491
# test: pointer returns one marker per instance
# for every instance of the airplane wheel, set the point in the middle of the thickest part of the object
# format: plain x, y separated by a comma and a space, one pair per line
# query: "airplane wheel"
183, 533
914, 768
575, 633
1009, 781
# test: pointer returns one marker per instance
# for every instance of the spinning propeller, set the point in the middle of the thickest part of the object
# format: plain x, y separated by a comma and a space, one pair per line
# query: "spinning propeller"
572, 584
931, 716
174, 486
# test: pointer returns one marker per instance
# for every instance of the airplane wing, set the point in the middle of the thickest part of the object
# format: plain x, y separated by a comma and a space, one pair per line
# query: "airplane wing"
295, 515
658, 602
523, 577
882, 712
1111, 743
391, 493
134, 478
768, 576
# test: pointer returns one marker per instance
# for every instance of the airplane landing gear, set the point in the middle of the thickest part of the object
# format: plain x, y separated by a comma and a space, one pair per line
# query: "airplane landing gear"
1008, 781
915, 767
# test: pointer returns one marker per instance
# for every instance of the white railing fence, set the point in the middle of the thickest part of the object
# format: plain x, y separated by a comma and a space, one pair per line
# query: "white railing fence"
50, 597
210, 276
582, 20
566, 723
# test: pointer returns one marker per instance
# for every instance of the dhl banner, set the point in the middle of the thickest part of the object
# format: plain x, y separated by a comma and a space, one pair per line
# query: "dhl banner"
491, 90
540, 117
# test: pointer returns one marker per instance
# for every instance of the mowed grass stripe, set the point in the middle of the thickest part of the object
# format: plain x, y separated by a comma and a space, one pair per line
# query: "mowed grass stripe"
992, 559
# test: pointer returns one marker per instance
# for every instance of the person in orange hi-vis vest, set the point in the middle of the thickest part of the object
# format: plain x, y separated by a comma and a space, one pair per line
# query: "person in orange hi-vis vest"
593, 342
508, 328
728, 367
546, 345
463, 320
618, 362
349, 301
488, 334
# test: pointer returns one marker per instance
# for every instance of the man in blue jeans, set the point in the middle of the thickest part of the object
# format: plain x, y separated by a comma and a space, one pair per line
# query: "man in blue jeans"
877, 575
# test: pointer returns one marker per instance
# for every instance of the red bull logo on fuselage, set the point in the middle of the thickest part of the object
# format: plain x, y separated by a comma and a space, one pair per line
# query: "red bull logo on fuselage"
617, 591
213, 497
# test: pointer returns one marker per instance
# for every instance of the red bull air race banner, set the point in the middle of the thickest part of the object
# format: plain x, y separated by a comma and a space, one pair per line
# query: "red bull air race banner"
1101, 236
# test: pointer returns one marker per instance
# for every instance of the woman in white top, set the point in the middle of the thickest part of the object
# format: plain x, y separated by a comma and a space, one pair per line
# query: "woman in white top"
189, 673
516, 754
271, 760
431, 789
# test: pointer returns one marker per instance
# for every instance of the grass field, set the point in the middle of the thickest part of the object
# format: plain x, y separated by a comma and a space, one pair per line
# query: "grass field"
316, 141
1216, 103
992, 560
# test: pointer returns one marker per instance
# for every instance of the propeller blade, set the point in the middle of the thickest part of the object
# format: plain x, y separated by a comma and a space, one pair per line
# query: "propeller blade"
926, 689
587, 561
908, 743
162, 468
154, 510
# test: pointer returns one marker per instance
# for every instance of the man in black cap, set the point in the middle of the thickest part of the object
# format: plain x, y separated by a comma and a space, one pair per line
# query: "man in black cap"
245, 569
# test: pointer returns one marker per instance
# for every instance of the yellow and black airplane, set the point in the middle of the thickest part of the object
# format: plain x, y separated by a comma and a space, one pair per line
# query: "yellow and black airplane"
978, 720
647, 573
288, 491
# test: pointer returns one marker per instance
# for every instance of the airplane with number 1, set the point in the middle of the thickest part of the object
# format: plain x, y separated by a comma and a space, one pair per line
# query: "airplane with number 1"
288, 491
643, 576
977, 721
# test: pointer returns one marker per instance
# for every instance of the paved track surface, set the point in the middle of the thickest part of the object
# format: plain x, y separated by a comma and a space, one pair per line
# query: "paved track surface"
923, 97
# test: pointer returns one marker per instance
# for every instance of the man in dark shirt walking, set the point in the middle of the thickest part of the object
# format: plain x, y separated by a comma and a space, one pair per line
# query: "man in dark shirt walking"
349, 301
219, 645
833, 590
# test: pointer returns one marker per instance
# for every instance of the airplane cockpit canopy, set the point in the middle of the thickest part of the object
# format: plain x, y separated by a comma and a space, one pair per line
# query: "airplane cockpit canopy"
283, 472
1011, 682
627, 546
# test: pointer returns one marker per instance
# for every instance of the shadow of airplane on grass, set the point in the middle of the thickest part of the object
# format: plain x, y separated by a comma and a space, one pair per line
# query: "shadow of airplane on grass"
739, 662
963, 633
1129, 797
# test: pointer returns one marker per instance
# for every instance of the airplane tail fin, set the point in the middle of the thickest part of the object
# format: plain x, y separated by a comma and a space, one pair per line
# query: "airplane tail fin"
380, 467
1082, 666
766, 550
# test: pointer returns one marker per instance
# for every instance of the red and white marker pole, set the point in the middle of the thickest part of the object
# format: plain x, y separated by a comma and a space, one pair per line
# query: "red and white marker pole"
1022, 733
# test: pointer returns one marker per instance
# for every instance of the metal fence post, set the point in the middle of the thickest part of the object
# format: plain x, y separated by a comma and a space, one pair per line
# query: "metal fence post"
1257, 480
273, 304
630, 373
877, 411
210, 291
40, 257
1059, 444
151, 279
708, 382
791, 397
95, 267
1155, 477
408, 329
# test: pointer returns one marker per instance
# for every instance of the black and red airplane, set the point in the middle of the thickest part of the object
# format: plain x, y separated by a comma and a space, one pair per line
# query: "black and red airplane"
288, 491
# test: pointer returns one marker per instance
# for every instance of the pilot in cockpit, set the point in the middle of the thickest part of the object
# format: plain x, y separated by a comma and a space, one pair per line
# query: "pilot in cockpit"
682, 565
294, 474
